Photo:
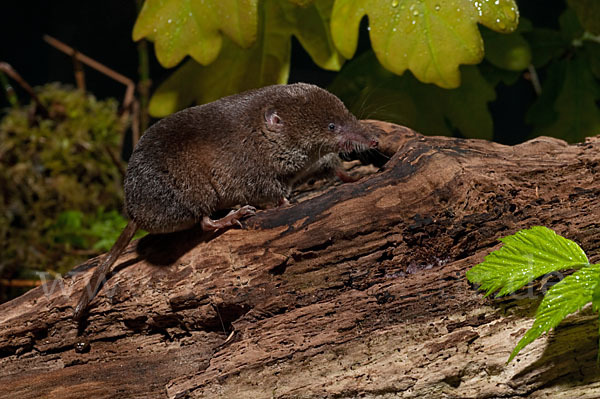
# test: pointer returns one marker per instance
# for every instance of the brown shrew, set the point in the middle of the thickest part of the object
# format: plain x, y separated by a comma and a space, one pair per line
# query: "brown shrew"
246, 149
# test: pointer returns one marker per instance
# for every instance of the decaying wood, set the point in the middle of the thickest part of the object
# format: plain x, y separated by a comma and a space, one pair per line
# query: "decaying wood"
357, 290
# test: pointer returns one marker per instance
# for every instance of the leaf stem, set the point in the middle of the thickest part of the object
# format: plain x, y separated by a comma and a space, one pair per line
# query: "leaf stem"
535, 80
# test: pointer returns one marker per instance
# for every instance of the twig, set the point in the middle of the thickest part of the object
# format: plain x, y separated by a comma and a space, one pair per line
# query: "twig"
20, 283
116, 161
216, 308
8, 89
128, 98
135, 123
8, 69
79, 74
129, 91
535, 80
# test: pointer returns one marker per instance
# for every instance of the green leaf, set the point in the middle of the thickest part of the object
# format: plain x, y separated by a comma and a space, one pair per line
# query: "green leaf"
525, 256
70, 220
592, 50
370, 91
541, 113
310, 25
570, 27
431, 38
588, 12
105, 227
506, 51
301, 3
571, 91
495, 75
182, 27
564, 298
266, 62
546, 44
68, 229
596, 298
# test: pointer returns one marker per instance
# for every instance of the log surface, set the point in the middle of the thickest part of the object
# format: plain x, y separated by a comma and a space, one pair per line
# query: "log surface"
356, 290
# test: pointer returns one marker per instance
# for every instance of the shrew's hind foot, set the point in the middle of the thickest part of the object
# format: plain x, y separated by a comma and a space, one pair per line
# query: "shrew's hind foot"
232, 218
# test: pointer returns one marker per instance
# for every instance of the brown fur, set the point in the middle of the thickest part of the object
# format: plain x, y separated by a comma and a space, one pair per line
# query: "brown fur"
225, 153
245, 149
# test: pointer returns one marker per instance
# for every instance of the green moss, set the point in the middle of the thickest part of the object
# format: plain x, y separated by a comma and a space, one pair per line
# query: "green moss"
58, 182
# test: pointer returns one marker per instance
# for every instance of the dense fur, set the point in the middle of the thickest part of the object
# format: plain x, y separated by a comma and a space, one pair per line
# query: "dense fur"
247, 149
243, 149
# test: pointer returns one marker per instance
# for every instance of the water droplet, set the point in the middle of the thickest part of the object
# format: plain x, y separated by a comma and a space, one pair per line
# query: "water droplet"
395, 3
437, 7
416, 13
368, 28
394, 30
414, 22
169, 20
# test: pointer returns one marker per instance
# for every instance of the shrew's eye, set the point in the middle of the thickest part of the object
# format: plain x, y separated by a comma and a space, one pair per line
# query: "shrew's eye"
331, 127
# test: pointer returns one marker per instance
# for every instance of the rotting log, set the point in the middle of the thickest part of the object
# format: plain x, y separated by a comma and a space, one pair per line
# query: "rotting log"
356, 290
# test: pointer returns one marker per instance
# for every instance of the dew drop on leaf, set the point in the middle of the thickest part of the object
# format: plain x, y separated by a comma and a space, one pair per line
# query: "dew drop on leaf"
437, 7
395, 3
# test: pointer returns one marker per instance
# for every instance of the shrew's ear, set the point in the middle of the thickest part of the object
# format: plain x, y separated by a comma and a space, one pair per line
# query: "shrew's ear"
272, 120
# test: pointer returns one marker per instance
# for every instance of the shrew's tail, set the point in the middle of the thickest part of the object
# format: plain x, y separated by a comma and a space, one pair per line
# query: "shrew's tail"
99, 276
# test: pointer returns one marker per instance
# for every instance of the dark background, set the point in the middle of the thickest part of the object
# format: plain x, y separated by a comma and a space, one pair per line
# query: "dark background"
102, 30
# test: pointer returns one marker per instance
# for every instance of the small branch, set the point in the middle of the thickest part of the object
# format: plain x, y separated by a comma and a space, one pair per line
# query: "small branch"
79, 74
593, 38
20, 283
88, 61
135, 123
535, 80
128, 99
8, 69
116, 161
8, 89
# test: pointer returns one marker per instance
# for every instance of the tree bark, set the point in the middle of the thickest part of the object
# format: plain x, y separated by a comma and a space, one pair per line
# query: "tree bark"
356, 290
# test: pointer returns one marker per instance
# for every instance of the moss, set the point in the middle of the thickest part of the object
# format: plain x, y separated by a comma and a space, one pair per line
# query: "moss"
58, 182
